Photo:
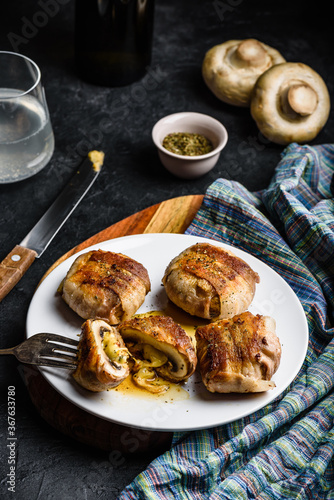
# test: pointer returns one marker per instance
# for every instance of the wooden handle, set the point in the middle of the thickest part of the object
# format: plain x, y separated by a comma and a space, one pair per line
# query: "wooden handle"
13, 267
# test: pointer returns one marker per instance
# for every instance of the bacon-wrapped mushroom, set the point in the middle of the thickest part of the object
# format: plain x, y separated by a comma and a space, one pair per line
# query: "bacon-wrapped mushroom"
210, 282
239, 354
105, 285
102, 357
161, 349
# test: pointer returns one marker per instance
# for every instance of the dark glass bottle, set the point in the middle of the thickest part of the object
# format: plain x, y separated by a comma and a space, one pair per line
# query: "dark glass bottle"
113, 40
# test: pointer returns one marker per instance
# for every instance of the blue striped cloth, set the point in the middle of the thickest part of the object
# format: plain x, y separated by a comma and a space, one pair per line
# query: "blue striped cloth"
285, 450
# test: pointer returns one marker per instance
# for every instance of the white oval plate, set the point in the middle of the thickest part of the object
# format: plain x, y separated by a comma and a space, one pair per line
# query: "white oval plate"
274, 297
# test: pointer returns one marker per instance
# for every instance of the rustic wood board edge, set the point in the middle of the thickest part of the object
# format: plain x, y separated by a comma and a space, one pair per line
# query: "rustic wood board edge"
170, 216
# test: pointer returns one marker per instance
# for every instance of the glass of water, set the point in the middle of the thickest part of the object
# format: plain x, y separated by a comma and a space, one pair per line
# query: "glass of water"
26, 136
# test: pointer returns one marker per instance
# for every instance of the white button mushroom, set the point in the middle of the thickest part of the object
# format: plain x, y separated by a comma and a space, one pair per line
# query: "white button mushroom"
231, 69
290, 103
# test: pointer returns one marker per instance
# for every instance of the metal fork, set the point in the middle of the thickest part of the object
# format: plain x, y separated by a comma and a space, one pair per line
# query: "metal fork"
46, 349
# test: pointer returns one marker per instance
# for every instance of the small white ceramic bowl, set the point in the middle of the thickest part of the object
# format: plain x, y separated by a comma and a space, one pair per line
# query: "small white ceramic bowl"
189, 167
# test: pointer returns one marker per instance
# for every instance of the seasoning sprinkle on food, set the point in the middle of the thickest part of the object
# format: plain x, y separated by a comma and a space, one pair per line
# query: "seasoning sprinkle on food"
187, 144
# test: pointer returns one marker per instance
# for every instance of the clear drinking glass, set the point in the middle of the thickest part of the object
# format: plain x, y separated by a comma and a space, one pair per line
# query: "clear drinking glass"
26, 136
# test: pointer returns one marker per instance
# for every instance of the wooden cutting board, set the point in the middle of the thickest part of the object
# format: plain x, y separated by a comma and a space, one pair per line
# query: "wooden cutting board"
170, 216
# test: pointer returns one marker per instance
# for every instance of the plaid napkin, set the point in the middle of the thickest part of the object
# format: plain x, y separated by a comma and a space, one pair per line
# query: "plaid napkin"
286, 449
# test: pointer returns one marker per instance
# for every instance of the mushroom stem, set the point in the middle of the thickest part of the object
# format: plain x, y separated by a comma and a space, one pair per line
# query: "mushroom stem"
250, 53
302, 99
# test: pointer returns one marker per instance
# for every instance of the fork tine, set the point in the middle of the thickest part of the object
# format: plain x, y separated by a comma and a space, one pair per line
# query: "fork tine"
43, 354
56, 363
51, 347
54, 337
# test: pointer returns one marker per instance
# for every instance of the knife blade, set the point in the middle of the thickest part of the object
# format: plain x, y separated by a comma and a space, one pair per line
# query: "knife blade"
18, 261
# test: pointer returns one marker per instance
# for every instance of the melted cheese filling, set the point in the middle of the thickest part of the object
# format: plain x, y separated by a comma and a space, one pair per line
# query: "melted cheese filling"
146, 358
115, 353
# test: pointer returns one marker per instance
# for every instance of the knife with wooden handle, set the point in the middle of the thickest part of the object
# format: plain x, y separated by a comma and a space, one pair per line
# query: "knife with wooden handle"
18, 261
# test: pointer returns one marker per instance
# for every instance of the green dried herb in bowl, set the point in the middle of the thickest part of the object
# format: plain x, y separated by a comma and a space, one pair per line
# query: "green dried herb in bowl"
187, 144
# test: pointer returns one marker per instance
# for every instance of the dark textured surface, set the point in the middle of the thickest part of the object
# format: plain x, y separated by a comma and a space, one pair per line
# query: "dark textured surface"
119, 121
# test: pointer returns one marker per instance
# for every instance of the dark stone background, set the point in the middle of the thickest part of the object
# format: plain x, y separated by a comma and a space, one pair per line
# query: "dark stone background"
48, 465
